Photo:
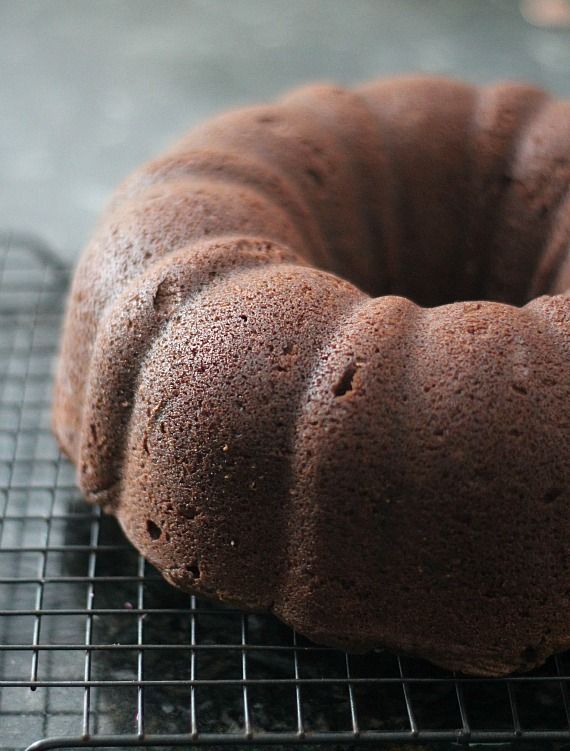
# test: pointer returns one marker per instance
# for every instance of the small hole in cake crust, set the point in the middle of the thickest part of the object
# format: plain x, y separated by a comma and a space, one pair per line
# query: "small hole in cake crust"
153, 529
552, 495
530, 654
519, 388
193, 569
290, 348
344, 385
315, 176
166, 297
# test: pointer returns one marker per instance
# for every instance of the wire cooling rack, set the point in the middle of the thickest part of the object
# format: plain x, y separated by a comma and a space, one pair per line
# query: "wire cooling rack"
97, 651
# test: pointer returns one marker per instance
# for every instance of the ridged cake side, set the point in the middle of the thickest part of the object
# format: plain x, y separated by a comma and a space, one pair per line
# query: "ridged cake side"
372, 471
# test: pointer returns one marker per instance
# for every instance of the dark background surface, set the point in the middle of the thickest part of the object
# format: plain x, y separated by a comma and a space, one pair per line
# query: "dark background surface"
89, 89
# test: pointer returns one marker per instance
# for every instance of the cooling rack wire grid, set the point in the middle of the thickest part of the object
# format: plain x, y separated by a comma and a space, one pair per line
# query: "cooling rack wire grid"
96, 651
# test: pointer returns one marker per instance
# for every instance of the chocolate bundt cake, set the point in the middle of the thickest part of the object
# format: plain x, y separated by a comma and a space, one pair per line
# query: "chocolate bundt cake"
316, 361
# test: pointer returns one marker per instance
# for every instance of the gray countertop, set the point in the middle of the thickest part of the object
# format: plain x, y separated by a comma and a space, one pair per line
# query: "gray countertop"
90, 88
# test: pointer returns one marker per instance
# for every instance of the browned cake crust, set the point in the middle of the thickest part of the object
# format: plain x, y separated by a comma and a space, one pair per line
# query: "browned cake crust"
270, 434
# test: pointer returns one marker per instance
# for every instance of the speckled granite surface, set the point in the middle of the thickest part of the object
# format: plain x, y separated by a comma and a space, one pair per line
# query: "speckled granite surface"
90, 89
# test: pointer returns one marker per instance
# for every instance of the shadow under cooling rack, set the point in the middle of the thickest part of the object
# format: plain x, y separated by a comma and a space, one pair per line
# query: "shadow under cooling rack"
97, 651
